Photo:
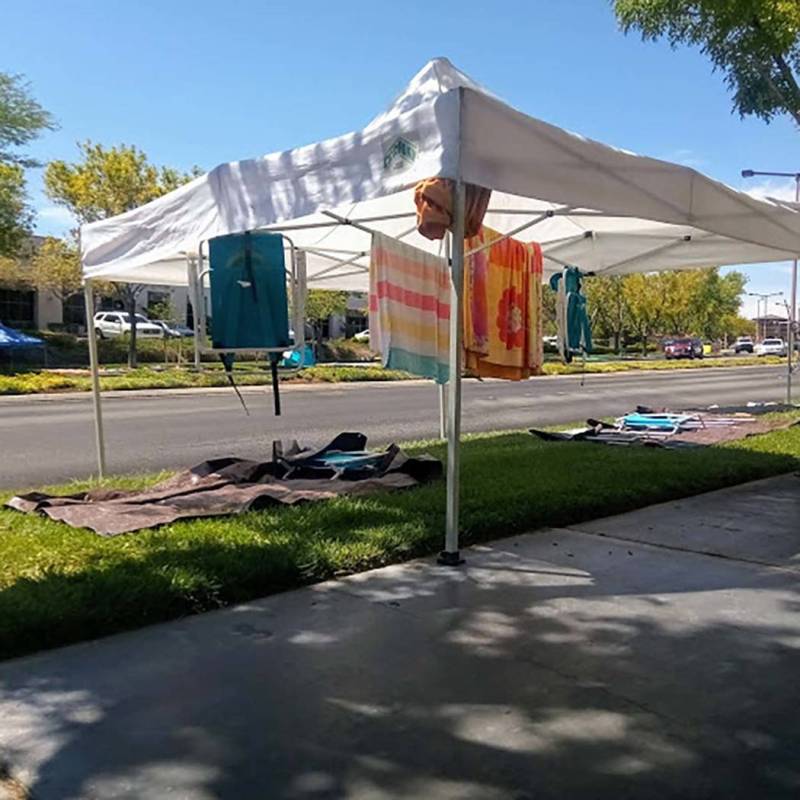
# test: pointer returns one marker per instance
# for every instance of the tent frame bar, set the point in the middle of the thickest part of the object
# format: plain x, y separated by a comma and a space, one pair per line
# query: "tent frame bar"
94, 363
359, 222
529, 224
358, 268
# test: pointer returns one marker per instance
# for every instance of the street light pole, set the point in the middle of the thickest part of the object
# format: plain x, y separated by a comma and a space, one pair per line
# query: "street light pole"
791, 321
761, 322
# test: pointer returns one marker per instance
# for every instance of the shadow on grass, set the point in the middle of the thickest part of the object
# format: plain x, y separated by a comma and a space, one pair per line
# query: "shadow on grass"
577, 671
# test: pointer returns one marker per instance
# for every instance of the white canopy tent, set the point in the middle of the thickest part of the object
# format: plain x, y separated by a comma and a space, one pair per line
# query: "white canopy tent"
588, 204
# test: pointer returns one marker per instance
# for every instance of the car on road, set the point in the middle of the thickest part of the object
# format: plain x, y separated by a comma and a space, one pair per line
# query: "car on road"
362, 336
172, 330
743, 344
683, 347
117, 323
771, 347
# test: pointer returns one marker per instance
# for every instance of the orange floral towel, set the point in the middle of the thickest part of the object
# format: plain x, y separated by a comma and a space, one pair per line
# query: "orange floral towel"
502, 308
434, 200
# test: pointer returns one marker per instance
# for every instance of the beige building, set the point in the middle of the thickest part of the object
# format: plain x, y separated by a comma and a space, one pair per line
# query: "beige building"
30, 309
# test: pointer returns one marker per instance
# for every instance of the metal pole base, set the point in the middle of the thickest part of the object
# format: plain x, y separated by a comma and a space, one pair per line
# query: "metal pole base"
450, 559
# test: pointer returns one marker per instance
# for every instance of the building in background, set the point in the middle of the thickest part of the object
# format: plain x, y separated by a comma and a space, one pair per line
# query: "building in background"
29, 309
23, 306
772, 326
353, 321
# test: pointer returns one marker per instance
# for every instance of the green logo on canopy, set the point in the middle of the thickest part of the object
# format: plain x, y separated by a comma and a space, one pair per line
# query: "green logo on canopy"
399, 155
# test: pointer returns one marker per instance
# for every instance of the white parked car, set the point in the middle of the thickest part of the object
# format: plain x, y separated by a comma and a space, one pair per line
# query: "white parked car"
550, 342
362, 336
771, 347
117, 323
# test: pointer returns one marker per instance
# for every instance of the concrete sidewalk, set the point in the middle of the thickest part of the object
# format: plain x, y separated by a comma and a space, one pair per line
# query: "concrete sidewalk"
650, 655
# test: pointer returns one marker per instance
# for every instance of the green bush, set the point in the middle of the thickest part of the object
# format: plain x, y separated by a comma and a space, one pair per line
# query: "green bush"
68, 350
345, 350
323, 374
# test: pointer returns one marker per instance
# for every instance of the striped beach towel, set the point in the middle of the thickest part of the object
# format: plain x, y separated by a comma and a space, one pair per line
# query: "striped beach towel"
409, 308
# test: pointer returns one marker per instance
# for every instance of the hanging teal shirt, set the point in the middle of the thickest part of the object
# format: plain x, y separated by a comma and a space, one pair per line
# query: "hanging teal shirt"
578, 335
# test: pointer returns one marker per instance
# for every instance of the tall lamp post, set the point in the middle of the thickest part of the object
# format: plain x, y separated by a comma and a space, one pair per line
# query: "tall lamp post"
792, 319
762, 297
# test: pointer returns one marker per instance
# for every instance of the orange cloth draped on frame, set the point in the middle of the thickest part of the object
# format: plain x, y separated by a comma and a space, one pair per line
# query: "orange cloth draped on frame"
434, 200
502, 308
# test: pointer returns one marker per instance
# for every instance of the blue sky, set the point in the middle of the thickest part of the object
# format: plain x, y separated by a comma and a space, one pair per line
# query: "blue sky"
204, 82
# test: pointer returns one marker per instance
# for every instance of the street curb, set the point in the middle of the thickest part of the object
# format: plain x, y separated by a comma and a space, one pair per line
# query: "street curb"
114, 394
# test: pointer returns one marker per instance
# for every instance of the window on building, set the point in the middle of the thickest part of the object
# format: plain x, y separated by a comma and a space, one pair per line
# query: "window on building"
18, 308
355, 323
74, 311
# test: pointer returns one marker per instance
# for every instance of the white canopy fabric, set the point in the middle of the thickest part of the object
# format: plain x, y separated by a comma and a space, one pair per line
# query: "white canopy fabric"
612, 211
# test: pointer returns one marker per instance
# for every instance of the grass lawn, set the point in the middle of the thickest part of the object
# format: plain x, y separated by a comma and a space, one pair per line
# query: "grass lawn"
60, 585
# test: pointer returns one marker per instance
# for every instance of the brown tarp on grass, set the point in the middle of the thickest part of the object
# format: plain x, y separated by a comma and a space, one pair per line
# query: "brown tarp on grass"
217, 488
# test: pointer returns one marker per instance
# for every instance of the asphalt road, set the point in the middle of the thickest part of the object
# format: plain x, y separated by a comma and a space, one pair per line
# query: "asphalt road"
50, 439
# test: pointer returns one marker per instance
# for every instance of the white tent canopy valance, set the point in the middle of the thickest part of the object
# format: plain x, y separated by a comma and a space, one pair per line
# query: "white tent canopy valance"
588, 204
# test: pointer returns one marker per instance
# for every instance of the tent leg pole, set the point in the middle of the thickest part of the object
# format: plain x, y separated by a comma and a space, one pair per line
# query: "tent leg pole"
191, 269
442, 411
443, 386
450, 556
791, 334
94, 364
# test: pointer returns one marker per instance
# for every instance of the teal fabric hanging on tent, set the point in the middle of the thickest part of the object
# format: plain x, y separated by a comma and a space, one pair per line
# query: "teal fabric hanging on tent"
249, 301
572, 319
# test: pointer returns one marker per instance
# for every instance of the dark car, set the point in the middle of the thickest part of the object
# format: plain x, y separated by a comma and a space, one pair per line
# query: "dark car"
683, 347
743, 344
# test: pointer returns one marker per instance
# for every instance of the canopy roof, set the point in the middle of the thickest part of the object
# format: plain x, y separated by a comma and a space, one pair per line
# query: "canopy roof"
600, 208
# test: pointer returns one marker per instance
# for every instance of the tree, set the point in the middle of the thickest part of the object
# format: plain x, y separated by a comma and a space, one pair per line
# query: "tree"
755, 43
107, 181
715, 300
22, 119
15, 215
164, 309
56, 267
322, 304
736, 325
548, 310
606, 303
12, 274
643, 300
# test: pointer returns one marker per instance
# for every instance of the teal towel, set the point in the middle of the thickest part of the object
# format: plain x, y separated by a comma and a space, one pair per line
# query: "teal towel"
249, 303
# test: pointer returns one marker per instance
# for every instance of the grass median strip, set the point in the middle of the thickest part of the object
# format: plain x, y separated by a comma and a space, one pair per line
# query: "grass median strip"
61, 585
54, 381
